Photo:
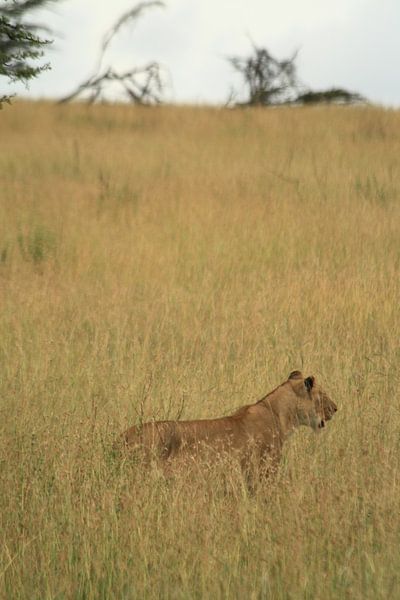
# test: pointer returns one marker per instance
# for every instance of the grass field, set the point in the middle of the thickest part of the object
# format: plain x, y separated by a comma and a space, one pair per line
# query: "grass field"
184, 261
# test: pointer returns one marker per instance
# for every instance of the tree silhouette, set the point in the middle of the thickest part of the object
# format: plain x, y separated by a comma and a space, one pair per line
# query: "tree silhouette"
330, 96
268, 80
271, 82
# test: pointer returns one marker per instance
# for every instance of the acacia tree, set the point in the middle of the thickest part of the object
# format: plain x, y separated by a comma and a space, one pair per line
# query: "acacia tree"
330, 96
20, 43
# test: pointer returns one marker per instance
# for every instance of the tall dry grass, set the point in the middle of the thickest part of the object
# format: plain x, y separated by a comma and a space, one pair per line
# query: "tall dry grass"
154, 260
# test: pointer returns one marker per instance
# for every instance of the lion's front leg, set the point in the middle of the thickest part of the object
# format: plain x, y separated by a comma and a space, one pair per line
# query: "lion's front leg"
264, 466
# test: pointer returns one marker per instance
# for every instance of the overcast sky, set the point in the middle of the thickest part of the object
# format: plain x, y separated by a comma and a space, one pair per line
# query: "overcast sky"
343, 43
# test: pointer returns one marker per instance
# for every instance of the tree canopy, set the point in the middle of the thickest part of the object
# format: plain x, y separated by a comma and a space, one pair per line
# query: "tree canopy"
21, 43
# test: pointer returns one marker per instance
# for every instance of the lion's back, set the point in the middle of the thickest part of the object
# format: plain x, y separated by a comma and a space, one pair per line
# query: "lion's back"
236, 433
168, 438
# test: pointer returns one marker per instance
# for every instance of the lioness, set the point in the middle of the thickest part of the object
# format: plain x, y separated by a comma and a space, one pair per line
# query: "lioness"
255, 433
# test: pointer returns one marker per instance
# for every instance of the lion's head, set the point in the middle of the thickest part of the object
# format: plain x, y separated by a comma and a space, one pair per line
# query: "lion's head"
313, 405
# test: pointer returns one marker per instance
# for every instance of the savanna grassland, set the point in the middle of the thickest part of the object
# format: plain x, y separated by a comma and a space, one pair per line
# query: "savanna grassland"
182, 261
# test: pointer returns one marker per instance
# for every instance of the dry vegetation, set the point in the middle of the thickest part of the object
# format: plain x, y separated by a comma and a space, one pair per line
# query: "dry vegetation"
178, 259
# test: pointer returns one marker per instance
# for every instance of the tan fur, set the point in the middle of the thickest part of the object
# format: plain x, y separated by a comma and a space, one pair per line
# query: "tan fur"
255, 433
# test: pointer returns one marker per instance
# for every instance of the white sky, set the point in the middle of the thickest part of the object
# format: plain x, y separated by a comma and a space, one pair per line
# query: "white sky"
345, 43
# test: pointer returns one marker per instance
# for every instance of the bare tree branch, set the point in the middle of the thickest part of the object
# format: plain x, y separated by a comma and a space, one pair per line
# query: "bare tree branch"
148, 92
127, 17
141, 85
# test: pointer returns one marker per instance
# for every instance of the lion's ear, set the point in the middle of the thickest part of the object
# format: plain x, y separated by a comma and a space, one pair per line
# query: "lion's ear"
309, 382
295, 375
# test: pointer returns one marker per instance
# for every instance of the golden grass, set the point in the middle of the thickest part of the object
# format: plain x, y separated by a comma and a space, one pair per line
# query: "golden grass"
151, 259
